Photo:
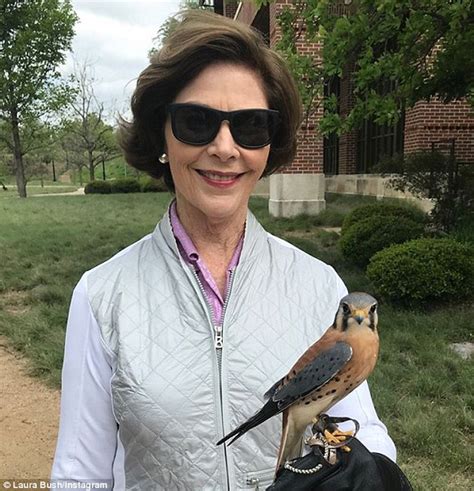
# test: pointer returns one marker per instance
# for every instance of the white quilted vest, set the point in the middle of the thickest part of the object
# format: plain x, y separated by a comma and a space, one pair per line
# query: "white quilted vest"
174, 394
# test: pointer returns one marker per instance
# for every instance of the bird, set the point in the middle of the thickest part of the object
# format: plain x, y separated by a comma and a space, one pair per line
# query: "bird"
331, 368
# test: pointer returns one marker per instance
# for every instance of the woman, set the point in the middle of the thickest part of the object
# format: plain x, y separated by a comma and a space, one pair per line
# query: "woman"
173, 341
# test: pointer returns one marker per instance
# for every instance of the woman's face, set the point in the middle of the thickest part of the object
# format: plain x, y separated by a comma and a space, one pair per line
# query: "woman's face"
216, 179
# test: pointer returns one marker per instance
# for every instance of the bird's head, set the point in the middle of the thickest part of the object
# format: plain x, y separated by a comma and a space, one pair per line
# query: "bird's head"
356, 310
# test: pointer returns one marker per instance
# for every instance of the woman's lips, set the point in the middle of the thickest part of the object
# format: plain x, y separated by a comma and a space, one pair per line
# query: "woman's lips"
219, 179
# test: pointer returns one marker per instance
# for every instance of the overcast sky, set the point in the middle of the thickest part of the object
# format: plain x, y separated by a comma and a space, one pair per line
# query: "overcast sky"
116, 36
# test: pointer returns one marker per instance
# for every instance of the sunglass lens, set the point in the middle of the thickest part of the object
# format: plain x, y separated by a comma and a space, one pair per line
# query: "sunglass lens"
194, 124
253, 128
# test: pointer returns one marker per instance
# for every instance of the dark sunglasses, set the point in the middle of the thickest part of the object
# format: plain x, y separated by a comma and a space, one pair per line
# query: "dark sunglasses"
199, 125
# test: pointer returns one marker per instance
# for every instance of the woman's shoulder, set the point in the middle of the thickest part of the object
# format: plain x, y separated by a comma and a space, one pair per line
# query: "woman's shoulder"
124, 259
115, 276
298, 256
313, 283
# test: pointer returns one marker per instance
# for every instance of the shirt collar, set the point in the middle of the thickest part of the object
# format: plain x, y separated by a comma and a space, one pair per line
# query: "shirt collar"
186, 245
182, 237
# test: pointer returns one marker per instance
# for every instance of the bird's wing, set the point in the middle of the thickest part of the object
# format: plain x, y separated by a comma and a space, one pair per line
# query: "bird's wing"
319, 364
312, 374
273, 388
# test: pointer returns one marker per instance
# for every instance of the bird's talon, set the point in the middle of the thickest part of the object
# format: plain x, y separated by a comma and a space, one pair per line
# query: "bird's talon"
330, 438
337, 437
343, 433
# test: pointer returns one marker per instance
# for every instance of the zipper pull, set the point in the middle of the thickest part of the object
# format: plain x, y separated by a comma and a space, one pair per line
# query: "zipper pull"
254, 481
218, 340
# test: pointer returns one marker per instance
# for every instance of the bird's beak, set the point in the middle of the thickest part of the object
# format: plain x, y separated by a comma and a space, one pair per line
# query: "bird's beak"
359, 316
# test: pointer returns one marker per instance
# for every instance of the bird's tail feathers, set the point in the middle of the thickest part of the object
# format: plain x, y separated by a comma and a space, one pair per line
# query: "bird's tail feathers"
267, 411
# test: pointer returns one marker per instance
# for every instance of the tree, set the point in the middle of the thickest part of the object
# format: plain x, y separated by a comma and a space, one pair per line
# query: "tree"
34, 36
397, 52
74, 155
50, 154
94, 136
4, 168
167, 27
38, 142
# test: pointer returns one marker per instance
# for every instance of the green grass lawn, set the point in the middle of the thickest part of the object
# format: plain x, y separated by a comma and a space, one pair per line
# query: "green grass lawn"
422, 391
35, 187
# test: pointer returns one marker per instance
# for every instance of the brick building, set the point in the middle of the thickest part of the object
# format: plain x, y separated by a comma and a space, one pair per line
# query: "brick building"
301, 187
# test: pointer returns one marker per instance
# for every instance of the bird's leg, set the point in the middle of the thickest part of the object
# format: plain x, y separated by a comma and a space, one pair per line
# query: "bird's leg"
320, 423
324, 427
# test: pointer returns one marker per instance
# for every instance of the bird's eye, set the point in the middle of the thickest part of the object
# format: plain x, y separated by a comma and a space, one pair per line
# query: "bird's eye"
345, 308
373, 308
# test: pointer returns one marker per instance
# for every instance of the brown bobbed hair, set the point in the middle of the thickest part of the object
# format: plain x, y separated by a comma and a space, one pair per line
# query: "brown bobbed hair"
199, 40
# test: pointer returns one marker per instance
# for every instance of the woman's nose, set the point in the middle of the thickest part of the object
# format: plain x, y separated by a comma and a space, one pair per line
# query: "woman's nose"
223, 146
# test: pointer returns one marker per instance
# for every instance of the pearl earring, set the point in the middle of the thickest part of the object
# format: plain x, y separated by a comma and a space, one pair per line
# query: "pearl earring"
163, 159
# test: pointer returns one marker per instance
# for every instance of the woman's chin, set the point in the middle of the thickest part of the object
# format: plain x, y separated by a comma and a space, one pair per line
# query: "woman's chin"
225, 211
219, 208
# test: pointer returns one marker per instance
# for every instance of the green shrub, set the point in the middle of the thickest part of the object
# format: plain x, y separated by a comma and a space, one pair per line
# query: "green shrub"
424, 270
125, 185
464, 230
97, 187
383, 209
427, 174
366, 237
153, 186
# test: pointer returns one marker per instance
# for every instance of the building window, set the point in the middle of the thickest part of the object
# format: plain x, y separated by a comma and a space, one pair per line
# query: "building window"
375, 142
331, 141
215, 5
261, 22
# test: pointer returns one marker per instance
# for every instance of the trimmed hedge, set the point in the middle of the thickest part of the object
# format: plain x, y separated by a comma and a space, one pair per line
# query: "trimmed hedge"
424, 270
125, 185
382, 209
366, 237
98, 187
153, 186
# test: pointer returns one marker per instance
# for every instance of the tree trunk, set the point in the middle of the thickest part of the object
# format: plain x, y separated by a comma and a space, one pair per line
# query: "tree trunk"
91, 167
17, 155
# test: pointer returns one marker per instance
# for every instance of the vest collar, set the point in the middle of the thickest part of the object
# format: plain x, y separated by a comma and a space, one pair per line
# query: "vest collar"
255, 236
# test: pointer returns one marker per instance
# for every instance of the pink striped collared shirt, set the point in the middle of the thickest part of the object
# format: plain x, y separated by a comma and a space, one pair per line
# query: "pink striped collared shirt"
190, 254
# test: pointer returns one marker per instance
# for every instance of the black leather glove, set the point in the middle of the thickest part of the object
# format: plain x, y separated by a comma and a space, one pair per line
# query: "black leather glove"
357, 470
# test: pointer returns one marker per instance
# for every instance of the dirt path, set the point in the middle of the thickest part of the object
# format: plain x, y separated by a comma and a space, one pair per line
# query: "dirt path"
29, 414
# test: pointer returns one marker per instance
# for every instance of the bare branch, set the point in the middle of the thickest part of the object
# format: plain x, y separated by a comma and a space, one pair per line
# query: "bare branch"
92, 133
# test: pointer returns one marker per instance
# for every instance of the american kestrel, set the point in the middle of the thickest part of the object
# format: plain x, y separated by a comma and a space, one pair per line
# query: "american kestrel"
329, 370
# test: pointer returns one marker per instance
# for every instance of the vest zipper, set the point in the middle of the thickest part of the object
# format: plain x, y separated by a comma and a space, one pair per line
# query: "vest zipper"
218, 345
218, 339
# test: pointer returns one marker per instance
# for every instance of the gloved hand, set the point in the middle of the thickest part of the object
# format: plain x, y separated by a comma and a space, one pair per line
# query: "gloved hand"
356, 470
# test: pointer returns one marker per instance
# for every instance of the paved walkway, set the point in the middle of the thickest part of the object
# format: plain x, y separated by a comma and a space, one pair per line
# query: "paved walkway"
80, 191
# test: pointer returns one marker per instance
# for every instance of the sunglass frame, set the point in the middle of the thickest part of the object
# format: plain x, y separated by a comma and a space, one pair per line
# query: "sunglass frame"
223, 116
